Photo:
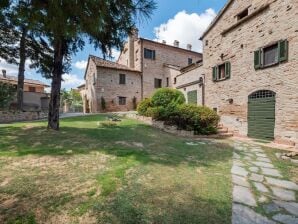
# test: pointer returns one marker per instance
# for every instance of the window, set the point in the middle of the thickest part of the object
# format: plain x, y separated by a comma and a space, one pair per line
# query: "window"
157, 83
271, 55
175, 80
32, 89
122, 79
149, 54
221, 72
189, 61
122, 100
167, 82
242, 14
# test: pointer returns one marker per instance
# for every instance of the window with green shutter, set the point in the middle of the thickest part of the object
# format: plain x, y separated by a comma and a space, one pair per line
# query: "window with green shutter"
271, 55
192, 97
283, 50
221, 72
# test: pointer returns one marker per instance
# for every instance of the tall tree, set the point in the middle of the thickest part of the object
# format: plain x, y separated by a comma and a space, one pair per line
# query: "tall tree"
68, 24
19, 41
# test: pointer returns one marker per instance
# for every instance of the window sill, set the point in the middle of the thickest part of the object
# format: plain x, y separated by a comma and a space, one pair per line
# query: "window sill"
220, 80
268, 66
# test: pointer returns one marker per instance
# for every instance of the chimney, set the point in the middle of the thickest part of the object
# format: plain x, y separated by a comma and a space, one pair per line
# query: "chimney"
4, 73
189, 46
164, 42
131, 47
176, 43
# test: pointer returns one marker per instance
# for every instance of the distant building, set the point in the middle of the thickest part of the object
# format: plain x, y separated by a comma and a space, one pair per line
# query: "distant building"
35, 97
142, 67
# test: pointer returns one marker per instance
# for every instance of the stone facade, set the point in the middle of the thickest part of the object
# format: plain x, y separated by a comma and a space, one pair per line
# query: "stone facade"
230, 38
102, 77
14, 116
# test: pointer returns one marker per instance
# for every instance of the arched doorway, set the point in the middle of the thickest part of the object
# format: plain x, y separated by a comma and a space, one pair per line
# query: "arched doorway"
261, 114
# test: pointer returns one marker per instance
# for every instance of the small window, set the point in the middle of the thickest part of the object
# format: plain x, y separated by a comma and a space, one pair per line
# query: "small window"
270, 55
221, 72
189, 61
122, 79
122, 100
168, 82
149, 54
175, 80
157, 83
32, 89
242, 14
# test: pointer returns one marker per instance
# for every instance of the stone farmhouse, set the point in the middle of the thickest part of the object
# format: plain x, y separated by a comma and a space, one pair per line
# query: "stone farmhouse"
142, 67
249, 70
35, 97
248, 74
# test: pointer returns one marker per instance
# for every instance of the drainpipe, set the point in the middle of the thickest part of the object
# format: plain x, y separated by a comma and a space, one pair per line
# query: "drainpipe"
203, 90
142, 67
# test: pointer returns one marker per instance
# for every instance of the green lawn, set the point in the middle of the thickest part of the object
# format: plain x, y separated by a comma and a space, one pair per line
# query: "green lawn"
130, 173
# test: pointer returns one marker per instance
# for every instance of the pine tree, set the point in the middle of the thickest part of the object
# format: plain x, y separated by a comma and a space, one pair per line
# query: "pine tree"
68, 24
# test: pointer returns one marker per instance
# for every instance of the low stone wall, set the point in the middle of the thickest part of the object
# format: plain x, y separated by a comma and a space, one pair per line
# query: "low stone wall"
13, 116
168, 128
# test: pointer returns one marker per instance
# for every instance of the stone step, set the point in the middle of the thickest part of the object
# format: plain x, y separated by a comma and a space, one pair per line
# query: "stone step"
222, 130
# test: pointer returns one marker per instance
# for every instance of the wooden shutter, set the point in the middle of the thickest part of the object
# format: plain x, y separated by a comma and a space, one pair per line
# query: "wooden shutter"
214, 73
228, 69
257, 59
192, 97
283, 50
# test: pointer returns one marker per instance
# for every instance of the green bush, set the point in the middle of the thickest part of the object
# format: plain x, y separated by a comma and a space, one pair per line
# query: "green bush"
7, 93
143, 107
165, 96
200, 119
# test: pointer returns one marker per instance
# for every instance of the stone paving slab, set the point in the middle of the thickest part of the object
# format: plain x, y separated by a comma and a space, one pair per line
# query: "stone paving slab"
239, 171
243, 195
291, 207
271, 172
282, 183
245, 215
263, 164
262, 159
283, 194
261, 187
256, 177
271, 208
286, 219
254, 169
240, 181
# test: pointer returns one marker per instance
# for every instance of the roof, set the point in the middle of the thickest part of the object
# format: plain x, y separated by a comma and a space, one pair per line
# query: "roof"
171, 46
14, 79
100, 62
172, 66
221, 12
81, 86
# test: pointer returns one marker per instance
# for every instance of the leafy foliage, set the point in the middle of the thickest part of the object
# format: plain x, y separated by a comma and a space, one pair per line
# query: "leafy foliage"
7, 93
143, 107
167, 96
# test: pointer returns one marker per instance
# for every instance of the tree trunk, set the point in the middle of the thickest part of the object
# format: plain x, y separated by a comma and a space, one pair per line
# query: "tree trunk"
21, 74
54, 105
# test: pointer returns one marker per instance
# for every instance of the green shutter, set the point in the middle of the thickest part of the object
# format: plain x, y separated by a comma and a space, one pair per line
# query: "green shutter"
257, 59
192, 97
228, 69
283, 50
214, 73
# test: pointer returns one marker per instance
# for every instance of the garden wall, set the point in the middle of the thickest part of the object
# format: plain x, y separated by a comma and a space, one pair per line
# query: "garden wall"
13, 116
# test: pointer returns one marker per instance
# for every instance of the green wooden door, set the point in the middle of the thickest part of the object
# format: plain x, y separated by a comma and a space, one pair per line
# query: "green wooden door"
192, 97
261, 115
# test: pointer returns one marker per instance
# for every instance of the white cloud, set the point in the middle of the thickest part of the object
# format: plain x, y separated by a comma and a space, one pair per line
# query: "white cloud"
115, 54
71, 81
81, 64
12, 69
186, 28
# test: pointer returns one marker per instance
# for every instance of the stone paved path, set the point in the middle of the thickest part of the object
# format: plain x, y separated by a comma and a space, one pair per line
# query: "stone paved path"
260, 193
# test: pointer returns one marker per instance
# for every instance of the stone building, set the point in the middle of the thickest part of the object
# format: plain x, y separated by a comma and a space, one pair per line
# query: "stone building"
250, 77
142, 67
34, 97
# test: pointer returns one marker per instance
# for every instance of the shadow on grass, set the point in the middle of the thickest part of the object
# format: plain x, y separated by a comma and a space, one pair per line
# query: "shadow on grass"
156, 146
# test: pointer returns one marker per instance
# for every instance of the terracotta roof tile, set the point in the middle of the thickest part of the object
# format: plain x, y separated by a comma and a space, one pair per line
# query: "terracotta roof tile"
110, 64
14, 79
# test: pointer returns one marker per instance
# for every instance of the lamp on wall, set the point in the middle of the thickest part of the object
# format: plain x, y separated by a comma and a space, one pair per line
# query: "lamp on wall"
201, 81
231, 101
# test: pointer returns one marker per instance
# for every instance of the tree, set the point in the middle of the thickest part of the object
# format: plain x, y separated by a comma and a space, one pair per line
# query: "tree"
68, 24
7, 93
19, 42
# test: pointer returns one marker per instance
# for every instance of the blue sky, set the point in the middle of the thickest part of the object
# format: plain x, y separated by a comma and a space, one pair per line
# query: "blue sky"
182, 20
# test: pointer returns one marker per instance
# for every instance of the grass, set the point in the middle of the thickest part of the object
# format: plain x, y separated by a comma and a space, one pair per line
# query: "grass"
124, 173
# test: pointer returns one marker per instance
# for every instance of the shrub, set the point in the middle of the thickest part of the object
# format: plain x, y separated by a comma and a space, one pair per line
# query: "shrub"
7, 93
143, 107
200, 119
165, 96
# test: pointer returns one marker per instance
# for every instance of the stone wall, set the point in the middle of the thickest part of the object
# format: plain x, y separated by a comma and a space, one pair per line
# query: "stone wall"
14, 116
277, 22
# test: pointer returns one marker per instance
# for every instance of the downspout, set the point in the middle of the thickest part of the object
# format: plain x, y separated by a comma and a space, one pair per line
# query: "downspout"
142, 67
203, 90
